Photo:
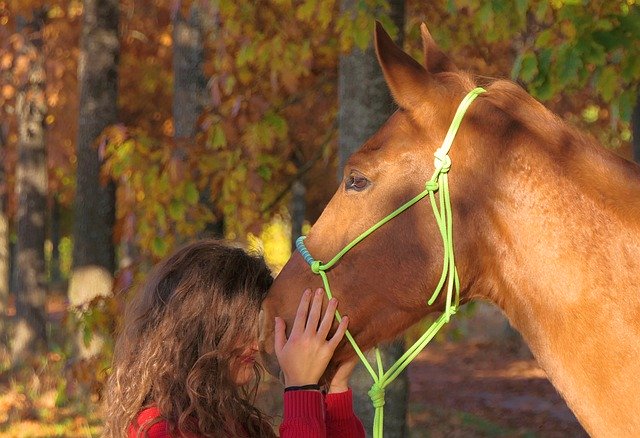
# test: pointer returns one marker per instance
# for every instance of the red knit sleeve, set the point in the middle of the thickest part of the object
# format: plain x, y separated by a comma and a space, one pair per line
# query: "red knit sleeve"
149, 419
303, 415
341, 420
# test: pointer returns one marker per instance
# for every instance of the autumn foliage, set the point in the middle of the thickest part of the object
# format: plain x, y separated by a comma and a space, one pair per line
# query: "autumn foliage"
269, 113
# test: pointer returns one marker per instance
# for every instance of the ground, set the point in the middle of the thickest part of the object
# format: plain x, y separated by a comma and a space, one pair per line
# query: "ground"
471, 389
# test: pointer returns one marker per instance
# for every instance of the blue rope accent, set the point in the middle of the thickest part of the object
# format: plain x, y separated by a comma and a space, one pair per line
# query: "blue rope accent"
304, 252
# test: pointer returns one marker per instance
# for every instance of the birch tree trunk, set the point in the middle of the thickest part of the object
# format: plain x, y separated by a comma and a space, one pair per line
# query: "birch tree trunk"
365, 104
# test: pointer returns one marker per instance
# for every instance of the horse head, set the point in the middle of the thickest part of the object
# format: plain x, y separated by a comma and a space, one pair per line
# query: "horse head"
383, 284
546, 225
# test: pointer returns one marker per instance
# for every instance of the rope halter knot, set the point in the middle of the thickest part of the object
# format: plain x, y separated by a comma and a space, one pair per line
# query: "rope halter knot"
315, 266
432, 186
442, 161
376, 393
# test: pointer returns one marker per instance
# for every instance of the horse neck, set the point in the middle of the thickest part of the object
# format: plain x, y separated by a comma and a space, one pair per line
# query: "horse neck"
559, 246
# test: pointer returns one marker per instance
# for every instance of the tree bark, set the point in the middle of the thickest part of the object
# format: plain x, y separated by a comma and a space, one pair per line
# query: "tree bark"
29, 335
365, 104
93, 247
189, 83
189, 91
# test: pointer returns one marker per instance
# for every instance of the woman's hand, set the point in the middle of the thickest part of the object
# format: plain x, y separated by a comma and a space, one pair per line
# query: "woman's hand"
340, 381
305, 355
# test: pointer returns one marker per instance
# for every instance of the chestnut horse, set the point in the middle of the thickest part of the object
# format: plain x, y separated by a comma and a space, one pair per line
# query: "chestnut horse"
546, 225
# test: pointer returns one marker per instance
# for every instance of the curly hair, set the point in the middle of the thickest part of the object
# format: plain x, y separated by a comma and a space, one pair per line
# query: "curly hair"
194, 315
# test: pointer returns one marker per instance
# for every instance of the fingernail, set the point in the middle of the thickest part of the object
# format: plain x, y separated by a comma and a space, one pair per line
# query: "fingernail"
318, 292
307, 291
333, 300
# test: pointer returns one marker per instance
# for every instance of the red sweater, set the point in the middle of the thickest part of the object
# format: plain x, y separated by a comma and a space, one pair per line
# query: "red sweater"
308, 414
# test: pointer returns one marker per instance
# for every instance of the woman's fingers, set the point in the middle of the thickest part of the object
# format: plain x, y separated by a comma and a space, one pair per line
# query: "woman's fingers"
327, 321
337, 336
301, 313
314, 313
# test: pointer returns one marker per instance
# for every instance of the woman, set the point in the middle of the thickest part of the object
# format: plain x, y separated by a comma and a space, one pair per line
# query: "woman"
185, 365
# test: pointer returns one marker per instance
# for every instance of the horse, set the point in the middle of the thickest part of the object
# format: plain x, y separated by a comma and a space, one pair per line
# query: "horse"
546, 226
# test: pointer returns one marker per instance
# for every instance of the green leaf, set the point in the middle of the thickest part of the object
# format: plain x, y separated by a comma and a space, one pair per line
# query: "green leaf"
626, 102
544, 90
265, 172
158, 246
607, 83
191, 193
217, 139
529, 67
544, 61
521, 7
596, 54
278, 124
569, 63
485, 15
246, 54
544, 38
87, 335
361, 37
452, 9
631, 68
177, 210
541, 11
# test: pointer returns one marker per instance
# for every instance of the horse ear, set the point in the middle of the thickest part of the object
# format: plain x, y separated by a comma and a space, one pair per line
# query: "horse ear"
403, 74
434, 58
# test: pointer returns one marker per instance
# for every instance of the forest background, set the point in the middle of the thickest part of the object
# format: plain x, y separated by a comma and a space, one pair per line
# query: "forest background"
130, 127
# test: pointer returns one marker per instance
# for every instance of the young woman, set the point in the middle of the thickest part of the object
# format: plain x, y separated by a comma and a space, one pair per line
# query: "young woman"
184, 364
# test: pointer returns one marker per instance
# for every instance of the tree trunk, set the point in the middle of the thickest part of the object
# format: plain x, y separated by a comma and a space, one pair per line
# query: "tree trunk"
29, 334
365, 104
189, 83
635, 122
189, 91
93, 247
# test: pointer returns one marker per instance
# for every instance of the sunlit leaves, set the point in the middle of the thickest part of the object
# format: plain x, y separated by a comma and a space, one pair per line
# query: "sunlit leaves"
157, 190
570, 46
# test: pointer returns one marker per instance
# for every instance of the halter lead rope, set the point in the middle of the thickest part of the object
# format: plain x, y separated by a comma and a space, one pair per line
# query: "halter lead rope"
444, 218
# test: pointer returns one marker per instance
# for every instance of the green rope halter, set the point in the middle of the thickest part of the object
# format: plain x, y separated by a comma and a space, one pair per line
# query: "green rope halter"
438, 182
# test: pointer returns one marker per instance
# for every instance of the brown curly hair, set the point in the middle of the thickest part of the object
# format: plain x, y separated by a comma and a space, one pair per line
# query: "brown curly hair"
194, 315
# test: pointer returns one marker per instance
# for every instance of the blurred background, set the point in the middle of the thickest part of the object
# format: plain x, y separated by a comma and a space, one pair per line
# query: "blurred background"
128, 128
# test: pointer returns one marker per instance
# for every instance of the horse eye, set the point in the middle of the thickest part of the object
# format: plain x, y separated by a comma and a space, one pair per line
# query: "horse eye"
356, 182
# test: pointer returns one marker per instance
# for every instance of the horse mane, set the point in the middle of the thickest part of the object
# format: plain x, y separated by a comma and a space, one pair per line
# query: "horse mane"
513, 100
576, 153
